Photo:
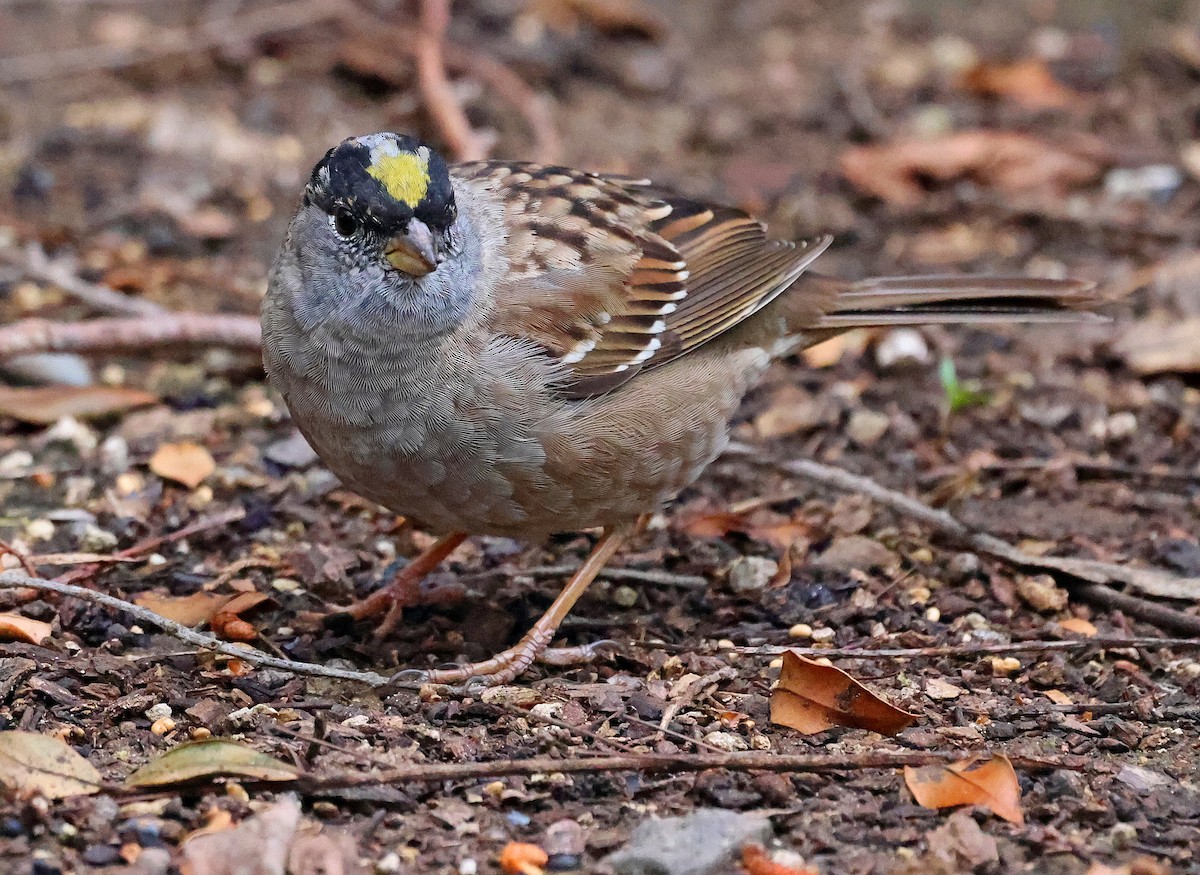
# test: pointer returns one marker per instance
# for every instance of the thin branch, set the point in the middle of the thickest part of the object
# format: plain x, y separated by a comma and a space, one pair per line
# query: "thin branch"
972, 650
165, 42
34, 263
10, 579
29, 336
438, 95
1093, 573
758, 761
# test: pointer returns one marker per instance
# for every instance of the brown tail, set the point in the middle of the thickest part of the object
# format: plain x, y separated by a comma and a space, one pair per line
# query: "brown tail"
946, 300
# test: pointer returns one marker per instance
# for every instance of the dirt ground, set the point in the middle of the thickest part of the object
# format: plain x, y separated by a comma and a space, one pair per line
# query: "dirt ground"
169, 175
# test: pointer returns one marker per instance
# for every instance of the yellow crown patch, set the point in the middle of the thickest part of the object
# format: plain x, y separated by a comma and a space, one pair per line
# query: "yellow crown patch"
404, 175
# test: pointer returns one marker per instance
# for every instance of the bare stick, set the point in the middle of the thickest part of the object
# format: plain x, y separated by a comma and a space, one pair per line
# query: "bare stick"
165, 42
759, 761
439, 98
11, 579
1093, 573
35, 264
971, 650
130, 334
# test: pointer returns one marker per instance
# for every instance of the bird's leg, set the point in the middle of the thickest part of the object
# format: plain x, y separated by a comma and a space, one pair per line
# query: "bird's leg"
402, 591
506, 665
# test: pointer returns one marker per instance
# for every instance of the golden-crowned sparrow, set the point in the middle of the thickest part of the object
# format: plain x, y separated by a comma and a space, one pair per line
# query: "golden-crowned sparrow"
511, 349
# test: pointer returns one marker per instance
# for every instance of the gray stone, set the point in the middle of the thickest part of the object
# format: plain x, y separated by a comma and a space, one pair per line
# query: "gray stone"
705, 842
749, 574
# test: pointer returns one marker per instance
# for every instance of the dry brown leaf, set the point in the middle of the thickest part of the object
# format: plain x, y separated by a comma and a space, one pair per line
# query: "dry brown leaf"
1151, 347
209, 758
1058, 697
1079, 626
46, 405
14, 627
256, 846
760, 524
813, 698
227, 622
184, 463
1010, 162
991, 784
42, 765
192, 610
609, 17
1028, 82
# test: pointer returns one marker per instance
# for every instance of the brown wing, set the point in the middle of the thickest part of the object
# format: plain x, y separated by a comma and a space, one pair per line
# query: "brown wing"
612, 275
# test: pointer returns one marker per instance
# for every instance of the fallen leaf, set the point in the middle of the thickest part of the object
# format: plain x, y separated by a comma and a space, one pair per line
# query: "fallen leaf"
1028, 82
258, 845
46, 405
609, 17
1151, 347
812, 698
33, 764
1058, 697
961, 845
192, 610
522, 858
756, 861
1079, 626
14, 627
228, 623
184, 463
936, 688
760, 524
1010, 162
317, 851
991, 784
208, 759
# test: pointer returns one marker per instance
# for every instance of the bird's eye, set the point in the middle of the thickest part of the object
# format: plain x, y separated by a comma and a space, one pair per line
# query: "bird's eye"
345, 223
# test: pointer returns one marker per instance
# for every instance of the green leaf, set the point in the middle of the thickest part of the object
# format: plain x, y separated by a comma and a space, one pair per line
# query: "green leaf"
960, 394
210, 758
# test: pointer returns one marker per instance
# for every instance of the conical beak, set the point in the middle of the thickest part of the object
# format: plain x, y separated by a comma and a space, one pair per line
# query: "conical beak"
415, 252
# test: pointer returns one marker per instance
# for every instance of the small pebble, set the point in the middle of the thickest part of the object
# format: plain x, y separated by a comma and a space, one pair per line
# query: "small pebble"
866, 427
823, 634
933, 615
286, 584
725, 644
902, 347
468, 866
751, 574
100, 855
963, 566
727, 741
777, 662
39, 530
624, 596
389, 864
919, 595
800, 630
1003, 666
159, 711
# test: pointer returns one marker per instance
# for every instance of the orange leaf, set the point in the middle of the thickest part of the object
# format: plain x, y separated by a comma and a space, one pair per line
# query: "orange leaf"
522, 858
812, 698
1079, 626
14, 627
1007, 161
1029, 83
756, 862
227, 622
46, 405
184, 463
196, 609
991, 784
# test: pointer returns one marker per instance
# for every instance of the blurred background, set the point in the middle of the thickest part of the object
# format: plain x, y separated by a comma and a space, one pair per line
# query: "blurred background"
163, 144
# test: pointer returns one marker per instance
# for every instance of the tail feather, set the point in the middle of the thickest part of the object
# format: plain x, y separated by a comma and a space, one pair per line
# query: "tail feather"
954, 299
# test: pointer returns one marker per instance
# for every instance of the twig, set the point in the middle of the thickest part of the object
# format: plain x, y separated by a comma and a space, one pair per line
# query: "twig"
141, 548
971, 650
164, 42
441, 102
130, 334
759, 761
10, 579
1093, 573
33, 263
